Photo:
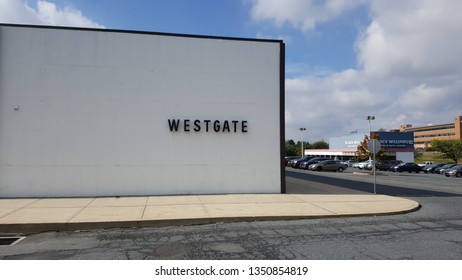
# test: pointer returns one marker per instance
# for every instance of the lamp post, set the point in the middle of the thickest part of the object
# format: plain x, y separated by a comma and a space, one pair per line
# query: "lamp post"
371, 118
301, 133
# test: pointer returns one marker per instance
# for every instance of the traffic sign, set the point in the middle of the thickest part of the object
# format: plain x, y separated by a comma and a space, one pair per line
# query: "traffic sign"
374, 146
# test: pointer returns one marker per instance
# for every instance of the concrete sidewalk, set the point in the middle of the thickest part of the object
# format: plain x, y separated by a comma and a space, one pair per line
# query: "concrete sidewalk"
44, 214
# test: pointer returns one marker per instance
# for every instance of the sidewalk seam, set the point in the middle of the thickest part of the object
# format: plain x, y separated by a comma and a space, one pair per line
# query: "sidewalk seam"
203, 206
144, 209
14, 210
78, 212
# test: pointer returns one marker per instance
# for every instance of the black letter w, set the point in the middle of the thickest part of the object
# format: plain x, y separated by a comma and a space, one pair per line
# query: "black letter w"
173, 124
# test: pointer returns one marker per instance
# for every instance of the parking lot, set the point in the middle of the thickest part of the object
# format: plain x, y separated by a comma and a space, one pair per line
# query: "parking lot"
353, 180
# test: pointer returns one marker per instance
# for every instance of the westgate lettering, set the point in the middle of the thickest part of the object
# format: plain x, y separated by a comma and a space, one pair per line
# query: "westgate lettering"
188, 125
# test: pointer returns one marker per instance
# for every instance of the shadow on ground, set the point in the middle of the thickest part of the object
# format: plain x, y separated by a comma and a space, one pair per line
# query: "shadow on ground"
362, 186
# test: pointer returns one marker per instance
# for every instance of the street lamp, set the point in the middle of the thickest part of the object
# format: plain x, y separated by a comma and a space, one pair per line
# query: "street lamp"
301, 132
371, 118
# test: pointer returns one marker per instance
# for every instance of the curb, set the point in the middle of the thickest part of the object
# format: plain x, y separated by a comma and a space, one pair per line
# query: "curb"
32, 228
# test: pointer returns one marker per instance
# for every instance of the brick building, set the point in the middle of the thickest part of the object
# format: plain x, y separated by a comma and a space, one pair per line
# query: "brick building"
425, 134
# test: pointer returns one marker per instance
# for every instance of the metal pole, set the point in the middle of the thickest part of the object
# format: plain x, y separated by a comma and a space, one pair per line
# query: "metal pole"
302, 143
369, 118
301, 132
373, 168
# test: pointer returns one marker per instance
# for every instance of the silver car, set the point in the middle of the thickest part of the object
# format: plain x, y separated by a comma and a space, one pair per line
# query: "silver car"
328, 165
362, 164
455, 171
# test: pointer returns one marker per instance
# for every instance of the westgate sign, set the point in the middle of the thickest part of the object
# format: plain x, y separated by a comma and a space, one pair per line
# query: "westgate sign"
188, 125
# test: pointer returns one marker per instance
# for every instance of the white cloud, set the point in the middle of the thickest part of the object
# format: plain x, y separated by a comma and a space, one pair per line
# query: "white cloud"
413, 47
330, 106
300, 14
409, 67
418, 38
45, 13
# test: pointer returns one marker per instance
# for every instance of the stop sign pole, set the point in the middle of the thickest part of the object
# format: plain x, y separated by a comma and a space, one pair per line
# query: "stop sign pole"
374, 147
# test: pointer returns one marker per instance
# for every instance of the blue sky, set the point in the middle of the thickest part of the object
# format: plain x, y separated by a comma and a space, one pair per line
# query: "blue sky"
399, 60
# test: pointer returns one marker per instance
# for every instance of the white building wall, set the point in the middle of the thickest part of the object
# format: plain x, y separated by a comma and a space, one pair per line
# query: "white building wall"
85, 113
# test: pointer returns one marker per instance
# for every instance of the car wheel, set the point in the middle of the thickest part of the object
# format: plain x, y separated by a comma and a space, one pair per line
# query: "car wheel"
340, 169
458, 175
319, 168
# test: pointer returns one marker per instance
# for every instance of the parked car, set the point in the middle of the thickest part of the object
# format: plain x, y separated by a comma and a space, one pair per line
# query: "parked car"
443, 167
448, 166
369, 165
431, 168
350, 162
362, 164
288, 159
426, 163
296, 162
407, 166
305, 164
455, 171
387, 164
292, 161
328, 165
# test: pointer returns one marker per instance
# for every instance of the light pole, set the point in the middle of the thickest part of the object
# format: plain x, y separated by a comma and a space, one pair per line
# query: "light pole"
371, 118
301, 132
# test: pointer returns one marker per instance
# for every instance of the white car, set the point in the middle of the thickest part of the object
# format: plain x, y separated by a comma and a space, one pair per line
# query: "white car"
426, 163
362, 164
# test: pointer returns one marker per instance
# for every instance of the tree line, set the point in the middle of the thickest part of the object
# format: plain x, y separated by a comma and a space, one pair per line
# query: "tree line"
295, 148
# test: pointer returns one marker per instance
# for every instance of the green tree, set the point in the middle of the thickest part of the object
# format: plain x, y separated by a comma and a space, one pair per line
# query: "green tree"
291, 148
451, 148
320, 145
295, 149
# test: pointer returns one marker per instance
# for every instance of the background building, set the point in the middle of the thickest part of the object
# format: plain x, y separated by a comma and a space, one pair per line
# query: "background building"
397, 145
425, 134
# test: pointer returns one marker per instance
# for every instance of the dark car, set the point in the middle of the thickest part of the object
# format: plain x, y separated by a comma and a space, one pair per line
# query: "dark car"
444, 167
455, 171
387, 164
304, 165
288, 159
431, 167
408, 166
295, 163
